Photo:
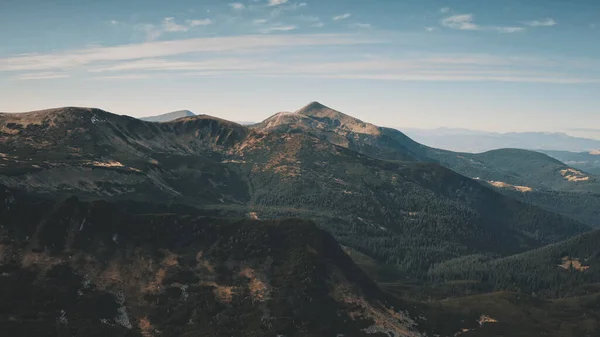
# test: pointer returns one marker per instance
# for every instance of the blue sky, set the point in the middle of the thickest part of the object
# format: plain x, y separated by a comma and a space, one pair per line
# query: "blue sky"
507, 65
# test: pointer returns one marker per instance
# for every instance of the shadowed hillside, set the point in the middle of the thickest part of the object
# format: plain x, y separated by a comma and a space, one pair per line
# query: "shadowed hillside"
94, 269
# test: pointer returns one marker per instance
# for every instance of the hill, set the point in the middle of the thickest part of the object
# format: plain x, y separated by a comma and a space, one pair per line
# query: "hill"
405, 213
98, 269
170, 116
568, 268
585, 161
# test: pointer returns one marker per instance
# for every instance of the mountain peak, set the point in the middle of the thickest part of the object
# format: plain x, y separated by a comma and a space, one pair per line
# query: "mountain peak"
337, 119
170, 116
316, 109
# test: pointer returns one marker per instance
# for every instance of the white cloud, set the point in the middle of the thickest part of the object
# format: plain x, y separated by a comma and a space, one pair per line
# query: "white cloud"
462, 22
292, 56
277, 2
430, 29
342, 17
237, 5
114, 22
318, 25
444, 10
259, 21
195, 23
295, 6
286, 28
361, 25
178, 65
40, 76
466, 22
169, 25
126, 77
548, 22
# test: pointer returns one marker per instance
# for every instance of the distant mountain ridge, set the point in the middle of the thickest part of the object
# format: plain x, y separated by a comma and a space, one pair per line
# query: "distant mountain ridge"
464, 140
170, 116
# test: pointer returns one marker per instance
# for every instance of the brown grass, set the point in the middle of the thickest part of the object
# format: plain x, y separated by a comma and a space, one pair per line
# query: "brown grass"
258, 289
146, 327
500, 184
574, 175
568, 263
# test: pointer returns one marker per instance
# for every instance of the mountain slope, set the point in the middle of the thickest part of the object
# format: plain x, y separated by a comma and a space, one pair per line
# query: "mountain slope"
170, 116
568, 268
506, 170
97, 269
409, 214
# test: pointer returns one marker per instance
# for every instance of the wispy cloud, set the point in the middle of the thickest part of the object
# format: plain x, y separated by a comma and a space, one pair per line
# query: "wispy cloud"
237, 5
318, 25
163, 65
418, 67
232, 44
462, 22
295, 6
259, 21
125, 77
444, 10
325, 56
342, 17
361, 25
40, 76
277, 2
466, 22
280, 28
430, 29
169, 25
509, 29
548, 22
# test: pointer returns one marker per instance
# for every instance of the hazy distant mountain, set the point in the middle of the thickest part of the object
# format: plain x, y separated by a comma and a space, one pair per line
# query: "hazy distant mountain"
170, 116
465, 140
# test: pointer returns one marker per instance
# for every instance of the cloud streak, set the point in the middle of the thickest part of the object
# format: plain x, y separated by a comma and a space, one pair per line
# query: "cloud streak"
459, 68
548, 22
273, 3
291, 55
233, 44
40, 76
169, 25
342, 17
467, 22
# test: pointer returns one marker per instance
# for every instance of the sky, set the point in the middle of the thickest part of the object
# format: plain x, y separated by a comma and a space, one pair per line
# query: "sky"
495, 65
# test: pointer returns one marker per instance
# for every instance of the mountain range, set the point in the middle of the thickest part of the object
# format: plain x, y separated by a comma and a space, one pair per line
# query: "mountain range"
580, 153
464, 140
412, 210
